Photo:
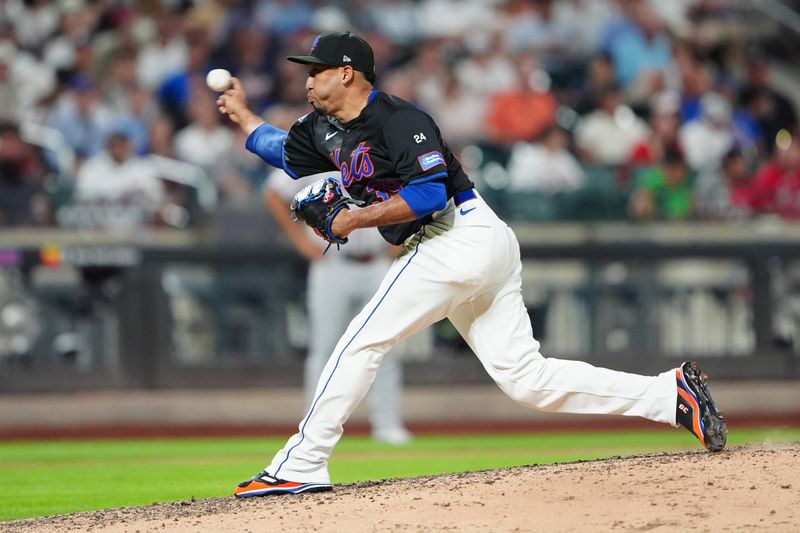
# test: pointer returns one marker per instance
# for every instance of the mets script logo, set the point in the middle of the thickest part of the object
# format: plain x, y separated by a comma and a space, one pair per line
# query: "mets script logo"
359, 167
314, 44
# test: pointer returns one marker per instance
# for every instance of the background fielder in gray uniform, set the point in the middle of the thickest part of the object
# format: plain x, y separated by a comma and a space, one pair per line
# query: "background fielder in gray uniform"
340, 283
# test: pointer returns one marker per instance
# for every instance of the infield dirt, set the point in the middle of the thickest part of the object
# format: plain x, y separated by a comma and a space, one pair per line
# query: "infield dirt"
748, 488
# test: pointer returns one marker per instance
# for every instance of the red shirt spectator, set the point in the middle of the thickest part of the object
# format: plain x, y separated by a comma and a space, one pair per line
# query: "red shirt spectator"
777, 183
742, 196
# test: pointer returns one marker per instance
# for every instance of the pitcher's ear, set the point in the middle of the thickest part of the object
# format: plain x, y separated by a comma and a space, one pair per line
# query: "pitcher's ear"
348, 74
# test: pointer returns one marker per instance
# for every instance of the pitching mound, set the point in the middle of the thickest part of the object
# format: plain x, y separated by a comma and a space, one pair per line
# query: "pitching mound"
753, 488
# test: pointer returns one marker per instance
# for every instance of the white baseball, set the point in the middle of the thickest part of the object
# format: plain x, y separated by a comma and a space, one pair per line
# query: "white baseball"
218, 80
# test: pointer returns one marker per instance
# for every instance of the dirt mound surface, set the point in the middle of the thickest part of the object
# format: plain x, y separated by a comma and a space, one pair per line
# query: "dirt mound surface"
751, 488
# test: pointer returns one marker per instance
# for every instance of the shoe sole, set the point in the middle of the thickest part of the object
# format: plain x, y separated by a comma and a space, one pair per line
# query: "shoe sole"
714, 429
277, 491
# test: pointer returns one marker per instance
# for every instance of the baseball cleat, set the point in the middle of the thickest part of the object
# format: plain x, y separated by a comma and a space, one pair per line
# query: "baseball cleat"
263, 484
696, 410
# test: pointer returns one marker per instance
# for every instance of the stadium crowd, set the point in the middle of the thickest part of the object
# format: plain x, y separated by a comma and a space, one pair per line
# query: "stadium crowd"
560, 109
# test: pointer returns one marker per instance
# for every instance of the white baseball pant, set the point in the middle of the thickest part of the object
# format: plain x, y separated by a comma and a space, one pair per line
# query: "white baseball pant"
465, 266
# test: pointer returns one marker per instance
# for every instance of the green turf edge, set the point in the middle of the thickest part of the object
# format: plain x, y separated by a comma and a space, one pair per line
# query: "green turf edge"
89, 475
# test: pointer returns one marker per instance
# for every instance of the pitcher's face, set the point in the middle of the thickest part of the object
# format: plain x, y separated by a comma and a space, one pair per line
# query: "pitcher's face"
324, 88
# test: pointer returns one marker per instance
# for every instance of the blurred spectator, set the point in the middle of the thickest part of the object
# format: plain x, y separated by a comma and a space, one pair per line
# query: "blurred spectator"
534, 26
454, 18
707, 107
599, 75
675, 14
587, 20
777, 182
773, 111
25, 81
283, 16
34, 21
726, 193
23, 200
459, 114
134, 108
161, 137
219, 18
546, 165
291, 84
122, 81
608, 135
618, 25
181, 86
362, 14
693, 80
167, 52
9, 97
136, 121
116, 189
713, 23
85, 62
747, 132
400, 82
432, 75
664, 191
86, 67
487, 69
81, 118
330, 17
397, 19
642, 54
664, 123
76, 26
707, 138
521, 113
206, 142
251, 62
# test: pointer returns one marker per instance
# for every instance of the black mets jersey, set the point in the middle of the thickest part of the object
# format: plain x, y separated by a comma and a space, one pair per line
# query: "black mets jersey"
390, 145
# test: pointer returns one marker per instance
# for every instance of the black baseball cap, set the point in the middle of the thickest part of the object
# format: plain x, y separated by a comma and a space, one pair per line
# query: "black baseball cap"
337, 49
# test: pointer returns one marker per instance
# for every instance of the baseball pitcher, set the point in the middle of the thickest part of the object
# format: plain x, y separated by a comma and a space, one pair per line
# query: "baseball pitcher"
461, 262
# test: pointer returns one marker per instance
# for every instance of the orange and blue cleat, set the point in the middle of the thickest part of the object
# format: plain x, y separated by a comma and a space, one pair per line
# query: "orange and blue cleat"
263, 484
696, 411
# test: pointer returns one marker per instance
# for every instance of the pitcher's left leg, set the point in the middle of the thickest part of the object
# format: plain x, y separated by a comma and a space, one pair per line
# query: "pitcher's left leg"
497, 327
498, 330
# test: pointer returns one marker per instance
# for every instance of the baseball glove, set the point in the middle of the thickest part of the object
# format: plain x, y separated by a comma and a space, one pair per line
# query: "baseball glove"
317, 205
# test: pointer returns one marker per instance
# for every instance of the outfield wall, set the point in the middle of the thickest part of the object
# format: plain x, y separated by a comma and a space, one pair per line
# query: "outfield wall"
162, 310
276, 411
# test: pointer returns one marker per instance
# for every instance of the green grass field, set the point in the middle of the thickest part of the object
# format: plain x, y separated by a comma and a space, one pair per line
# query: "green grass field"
56, 477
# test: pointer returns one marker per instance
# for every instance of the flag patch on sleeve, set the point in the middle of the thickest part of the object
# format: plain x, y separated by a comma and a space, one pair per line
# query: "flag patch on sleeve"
430, 160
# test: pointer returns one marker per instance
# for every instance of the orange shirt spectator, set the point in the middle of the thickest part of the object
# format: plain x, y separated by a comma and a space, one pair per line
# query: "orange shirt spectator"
519, 115
522, 113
